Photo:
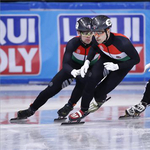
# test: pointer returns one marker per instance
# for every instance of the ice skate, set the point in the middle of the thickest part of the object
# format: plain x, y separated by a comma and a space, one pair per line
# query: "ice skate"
134, 111
63, 112
75, 118
94, 106
22, 116
129, 116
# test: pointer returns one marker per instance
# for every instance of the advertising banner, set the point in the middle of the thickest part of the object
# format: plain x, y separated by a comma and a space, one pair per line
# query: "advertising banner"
32, 43
131, 25
20, 47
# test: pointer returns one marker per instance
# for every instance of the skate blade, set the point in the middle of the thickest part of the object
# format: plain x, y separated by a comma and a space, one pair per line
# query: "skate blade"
72, 123
18, 121
128, 117
59, 119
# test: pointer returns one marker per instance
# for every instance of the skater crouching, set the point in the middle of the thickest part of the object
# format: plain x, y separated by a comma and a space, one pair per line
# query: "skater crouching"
118, 56
76, 51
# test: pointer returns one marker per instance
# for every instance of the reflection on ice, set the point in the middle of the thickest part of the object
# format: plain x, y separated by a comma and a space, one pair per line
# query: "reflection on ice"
102, 130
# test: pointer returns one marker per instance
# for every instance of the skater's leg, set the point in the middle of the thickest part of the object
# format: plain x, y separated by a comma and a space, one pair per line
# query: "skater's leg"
88, 92
104, 87
137, 109
78, 90
92, 81
75, 96
52, 89
146, 96
109, 83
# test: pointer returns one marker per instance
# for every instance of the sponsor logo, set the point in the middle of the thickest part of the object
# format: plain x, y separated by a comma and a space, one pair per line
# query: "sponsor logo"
19, 45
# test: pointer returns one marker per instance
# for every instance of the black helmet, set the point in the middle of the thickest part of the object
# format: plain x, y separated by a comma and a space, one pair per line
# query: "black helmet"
100, 23
84, 24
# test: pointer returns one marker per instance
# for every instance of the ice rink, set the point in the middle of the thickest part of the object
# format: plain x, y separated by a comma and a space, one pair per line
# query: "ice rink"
102, 130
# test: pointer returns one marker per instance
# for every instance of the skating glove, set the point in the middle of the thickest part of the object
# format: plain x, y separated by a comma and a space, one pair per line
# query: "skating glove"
147, 67
111, 66
85, 68
75, 72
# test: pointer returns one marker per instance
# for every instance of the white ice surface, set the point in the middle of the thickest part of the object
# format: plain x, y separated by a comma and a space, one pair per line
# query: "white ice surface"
101, 131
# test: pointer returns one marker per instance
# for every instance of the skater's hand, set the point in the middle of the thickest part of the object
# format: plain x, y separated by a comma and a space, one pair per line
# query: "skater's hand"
85, 68
75, 72
93, 107
111, 66
147, 67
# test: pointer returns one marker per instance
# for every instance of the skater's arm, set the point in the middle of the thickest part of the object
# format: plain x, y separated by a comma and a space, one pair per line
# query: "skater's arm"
67, 59
131, 52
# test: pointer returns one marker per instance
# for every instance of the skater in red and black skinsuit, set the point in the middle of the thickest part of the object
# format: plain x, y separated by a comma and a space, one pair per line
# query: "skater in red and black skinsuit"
75, 54
118, 56
137, 109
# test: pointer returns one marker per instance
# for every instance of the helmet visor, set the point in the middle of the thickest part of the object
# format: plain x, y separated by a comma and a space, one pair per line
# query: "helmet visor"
86, 33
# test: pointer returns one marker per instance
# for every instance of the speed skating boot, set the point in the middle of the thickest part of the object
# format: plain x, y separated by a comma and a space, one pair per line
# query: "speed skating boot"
77, 116
64, 111
23, 114
134, 111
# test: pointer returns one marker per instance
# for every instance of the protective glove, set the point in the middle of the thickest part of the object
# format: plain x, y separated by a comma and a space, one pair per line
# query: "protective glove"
147, 67
111, 66
85, 68
75, 72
